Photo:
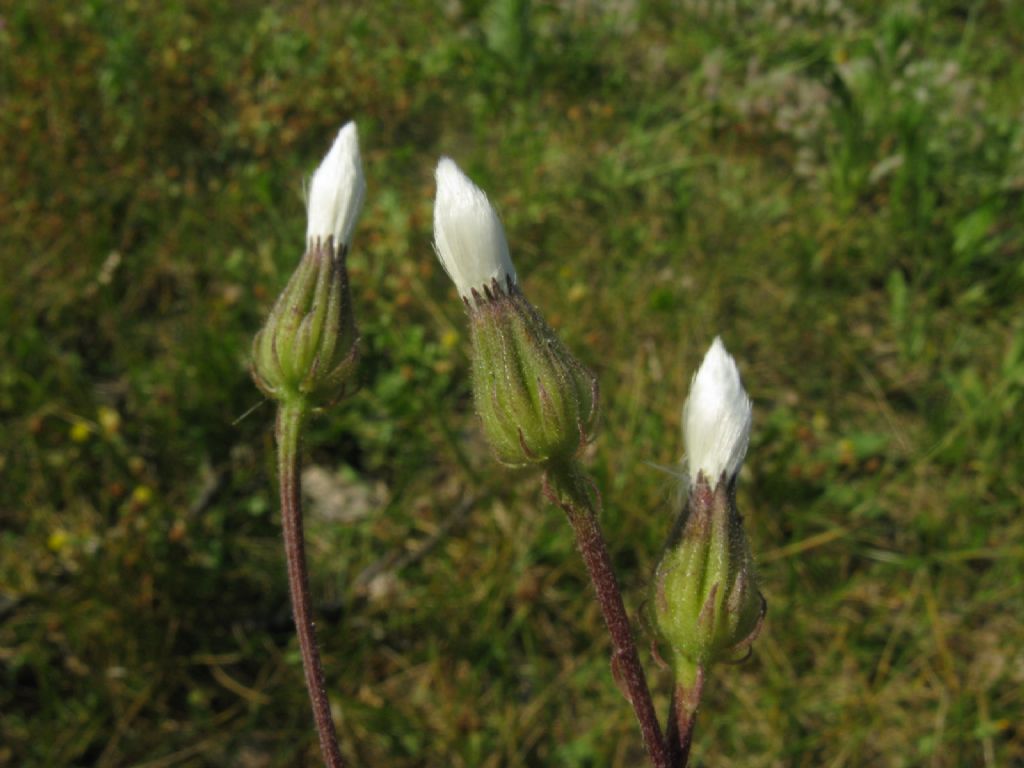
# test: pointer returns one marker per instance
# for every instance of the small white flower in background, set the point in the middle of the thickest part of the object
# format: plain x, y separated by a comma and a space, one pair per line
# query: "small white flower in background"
337, 191
468, 235
716, 418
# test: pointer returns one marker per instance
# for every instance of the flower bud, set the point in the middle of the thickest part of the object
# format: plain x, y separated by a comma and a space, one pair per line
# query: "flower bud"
307, 349
716, 418
706, 603
538, 404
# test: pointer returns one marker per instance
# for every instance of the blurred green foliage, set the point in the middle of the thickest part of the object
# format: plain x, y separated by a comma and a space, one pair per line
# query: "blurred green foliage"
836, 188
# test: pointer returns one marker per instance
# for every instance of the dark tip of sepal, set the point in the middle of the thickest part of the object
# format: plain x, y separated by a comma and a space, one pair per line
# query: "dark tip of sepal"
744, 649
262, 384
527, 451
497, 291
489, 294
758, 625
656, 655
313, 376
340, 382
740, 591
701, 491
708, 612
275, 355
548, 412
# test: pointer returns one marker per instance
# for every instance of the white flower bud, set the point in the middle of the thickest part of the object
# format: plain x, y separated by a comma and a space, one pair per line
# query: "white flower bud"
337, 191
716, 418
468, 235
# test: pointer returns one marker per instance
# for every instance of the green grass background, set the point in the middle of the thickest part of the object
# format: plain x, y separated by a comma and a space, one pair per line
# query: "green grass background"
835, 188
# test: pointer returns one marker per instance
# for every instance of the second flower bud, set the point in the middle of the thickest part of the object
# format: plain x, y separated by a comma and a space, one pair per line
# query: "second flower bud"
538, 404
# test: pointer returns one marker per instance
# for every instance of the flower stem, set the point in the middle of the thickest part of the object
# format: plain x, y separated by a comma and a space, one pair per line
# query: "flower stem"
682, 717
290, 417
568, 487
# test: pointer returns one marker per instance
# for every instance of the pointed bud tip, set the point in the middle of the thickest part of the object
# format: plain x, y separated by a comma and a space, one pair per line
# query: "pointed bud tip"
337, 190
468, 236
716, 417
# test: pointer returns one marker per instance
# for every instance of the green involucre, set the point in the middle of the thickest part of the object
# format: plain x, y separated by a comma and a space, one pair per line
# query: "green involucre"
706, 603
307, 348
537, 402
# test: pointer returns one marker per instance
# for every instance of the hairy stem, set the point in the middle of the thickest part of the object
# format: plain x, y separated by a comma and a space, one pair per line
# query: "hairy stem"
289, 426
570, 489
682, 717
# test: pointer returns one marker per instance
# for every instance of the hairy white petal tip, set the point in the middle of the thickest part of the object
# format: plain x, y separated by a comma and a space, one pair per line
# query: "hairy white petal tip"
716, 418
337, 190
468, 235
